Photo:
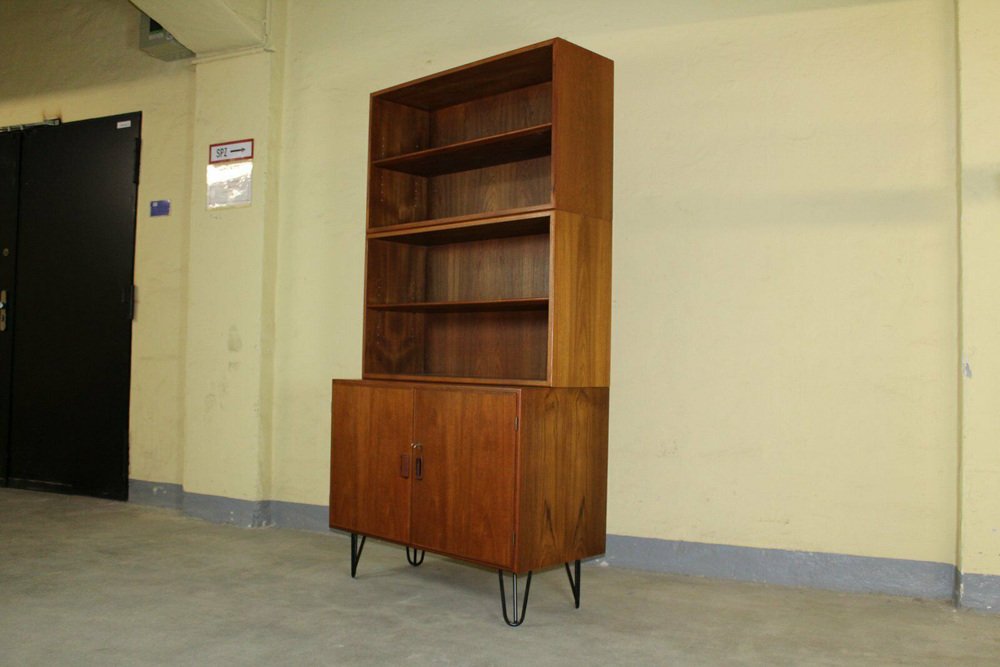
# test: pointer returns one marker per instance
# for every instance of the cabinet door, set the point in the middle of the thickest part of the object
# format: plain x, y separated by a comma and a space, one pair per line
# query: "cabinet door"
463, 499
370, 460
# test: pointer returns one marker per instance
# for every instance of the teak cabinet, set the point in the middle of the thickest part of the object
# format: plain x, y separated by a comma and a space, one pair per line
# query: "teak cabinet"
512, 478
479, 429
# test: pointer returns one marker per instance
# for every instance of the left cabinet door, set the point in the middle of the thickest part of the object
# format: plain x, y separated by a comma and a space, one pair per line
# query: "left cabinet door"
370, 460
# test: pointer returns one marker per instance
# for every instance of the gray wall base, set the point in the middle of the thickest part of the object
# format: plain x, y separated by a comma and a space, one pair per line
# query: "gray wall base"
856, 574
979, 591
218, 509
300, 516
155, 493
242, 513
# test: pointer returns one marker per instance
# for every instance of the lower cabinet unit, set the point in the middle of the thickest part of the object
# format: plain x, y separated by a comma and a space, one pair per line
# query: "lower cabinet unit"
509, 477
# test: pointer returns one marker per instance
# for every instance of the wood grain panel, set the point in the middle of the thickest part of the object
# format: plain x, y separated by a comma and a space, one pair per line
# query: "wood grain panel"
370, 432
464, 504
506, 186
394, 342
562, 465
581, 301
516, 109
487, 344
396, 272
583, 133
397, 129
503, 268
395, 197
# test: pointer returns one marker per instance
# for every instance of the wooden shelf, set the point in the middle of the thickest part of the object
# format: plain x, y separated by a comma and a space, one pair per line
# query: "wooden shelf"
464, 230
513, 146
456, 379
505, 216
531, 303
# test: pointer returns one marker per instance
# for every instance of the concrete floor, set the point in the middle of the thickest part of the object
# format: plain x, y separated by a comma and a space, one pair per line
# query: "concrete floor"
93, 582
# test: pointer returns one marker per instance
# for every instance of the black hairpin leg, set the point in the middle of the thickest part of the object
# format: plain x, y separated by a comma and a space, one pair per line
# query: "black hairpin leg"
574, 582
356, 550
518, 619
414, 560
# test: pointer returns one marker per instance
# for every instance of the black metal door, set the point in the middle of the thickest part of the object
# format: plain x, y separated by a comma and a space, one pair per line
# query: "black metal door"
10, 158
70, 319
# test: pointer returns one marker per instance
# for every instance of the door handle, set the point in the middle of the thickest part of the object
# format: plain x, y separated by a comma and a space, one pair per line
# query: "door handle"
418, 461
3, 310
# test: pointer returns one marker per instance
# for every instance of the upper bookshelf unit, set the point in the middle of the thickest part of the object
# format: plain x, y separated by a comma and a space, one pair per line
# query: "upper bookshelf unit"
524, 131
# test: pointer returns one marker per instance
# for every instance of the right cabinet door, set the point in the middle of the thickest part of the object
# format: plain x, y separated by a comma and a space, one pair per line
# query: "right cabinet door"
463, 488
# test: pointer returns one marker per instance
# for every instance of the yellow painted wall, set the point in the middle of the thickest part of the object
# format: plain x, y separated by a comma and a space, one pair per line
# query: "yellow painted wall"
78, 60
979, 23
227, 449
785, 320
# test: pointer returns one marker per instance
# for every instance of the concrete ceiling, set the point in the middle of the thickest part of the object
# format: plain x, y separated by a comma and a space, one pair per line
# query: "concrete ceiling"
211, 26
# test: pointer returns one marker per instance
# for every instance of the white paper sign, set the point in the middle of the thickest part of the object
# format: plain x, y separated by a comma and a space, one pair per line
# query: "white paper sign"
229, 184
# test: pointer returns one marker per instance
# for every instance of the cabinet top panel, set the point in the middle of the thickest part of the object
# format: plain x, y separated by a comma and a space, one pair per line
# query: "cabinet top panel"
491, 76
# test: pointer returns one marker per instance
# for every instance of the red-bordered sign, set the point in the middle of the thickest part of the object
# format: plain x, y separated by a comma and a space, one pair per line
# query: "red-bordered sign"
230, 150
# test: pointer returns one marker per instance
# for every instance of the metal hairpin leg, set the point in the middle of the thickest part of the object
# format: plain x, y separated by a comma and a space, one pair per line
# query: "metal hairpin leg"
356, 550
574, 582
414, 560
518, 619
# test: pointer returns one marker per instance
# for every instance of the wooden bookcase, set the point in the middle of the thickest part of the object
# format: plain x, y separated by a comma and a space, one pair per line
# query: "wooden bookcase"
487, 316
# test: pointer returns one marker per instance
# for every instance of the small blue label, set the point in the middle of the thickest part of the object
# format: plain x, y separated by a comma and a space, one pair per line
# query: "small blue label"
159, 207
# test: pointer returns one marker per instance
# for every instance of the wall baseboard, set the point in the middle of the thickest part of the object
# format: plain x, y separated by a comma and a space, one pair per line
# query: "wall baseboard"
979, 591
233, 511
840, 572
157, 494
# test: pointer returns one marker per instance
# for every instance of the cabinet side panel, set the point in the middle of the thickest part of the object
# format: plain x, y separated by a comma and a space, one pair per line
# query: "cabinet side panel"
563, 463
395, 197
582, 132
369, 460
397, 129
394, 342
581, 301
396, 272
